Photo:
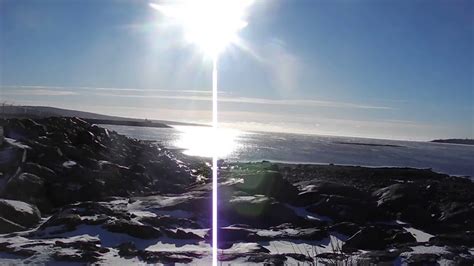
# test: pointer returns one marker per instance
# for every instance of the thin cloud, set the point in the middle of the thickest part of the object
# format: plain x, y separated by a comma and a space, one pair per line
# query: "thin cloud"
104, 89
247, 100
40, 92
184, 95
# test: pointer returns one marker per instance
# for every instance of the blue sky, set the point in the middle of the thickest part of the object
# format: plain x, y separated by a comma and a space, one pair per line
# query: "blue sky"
387, 69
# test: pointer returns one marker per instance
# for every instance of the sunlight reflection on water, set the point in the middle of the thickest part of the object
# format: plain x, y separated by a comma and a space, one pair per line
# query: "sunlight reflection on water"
205, 141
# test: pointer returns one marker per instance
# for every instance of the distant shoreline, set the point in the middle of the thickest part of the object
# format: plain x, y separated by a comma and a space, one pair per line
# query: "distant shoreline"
146, 123
455, 141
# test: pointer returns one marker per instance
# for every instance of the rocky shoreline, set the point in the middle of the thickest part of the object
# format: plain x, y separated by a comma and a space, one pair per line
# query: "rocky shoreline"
75, 192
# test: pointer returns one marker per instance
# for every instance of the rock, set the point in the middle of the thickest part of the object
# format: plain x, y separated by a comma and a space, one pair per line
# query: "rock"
127, 249
267, 259
259, 211
268, 183
39, 170
416, 215
19, 213
168, 221
458, 213
331, 188
370, 238
132, 228
456, 238
377, 257
402, 238
306, 198
229, 235
308, 234
28, 188
397, 196
7, 226
346, 228
69, 221
422, 259
340, 208
181, 234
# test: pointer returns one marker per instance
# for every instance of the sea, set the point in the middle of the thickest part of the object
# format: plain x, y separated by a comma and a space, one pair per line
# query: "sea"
236, 145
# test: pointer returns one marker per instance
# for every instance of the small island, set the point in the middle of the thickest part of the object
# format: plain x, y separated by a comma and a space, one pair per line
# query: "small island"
455, 141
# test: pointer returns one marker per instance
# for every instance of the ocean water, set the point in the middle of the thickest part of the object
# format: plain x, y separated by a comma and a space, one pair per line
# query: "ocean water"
236, 145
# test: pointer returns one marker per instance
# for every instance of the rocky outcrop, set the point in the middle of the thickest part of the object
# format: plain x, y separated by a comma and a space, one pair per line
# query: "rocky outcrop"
56, 161
137, 198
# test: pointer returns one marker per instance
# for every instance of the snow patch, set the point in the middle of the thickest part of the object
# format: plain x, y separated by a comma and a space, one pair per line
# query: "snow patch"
69, 164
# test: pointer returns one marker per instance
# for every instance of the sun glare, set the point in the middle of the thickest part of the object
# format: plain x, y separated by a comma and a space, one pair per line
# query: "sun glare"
210, 24
207, 142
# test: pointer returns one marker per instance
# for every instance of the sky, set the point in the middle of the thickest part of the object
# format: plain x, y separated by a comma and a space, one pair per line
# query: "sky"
383, 69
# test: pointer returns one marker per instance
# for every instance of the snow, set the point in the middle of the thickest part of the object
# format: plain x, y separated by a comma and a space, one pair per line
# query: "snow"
426, 250
69, 164
330, 244
17, 144
419, 235
302, 212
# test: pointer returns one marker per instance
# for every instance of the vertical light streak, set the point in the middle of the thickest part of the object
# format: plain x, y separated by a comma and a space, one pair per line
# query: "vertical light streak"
214, 162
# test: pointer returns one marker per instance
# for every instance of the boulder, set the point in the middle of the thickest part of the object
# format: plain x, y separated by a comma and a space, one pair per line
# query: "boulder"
345, 228
229, 234
132, 228
17, 215
331, 188
259, 211
340, 208
456, 239
7, 226
39, 170
397, 197
27, 187
268, 183
371, 238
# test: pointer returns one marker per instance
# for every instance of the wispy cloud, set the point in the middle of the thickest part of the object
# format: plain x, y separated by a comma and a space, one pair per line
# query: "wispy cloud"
183, 95
75, 89
40, 92
249, 100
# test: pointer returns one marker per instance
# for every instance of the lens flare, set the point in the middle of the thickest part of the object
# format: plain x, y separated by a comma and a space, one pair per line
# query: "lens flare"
212, 25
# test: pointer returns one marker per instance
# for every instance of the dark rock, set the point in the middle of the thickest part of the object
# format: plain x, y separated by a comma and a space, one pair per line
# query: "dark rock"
397, 196
132, 228
181, 234
20, 213
39, 170
422, 259
69, 221
267, 259
370, 238
402, 237
306, 198
342, 208
7, 226
457, 238
127, 249
257, 211
268, 183
25, 186
331, 188
229, 235
378, 256
168, 221
346, 228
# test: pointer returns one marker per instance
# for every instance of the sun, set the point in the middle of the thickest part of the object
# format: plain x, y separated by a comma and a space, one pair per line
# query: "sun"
210, 24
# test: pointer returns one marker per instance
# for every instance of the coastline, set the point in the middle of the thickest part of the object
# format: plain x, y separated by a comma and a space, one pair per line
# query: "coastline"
76, 192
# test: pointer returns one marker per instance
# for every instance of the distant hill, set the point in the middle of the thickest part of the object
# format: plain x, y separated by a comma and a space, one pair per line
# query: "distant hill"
11, 111
455, 141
